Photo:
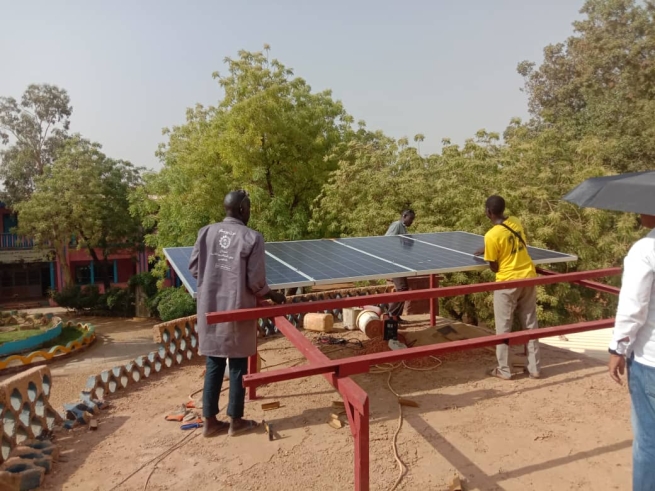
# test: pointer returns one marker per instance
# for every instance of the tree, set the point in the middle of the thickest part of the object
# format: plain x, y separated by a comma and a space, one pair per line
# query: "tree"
270, 134
34, 129
599, 84
90, 194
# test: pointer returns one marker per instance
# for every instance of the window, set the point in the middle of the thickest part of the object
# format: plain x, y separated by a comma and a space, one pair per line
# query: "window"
20, 278
82, 275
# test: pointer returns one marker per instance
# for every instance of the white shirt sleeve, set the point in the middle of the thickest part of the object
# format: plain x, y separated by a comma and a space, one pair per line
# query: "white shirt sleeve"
632, 312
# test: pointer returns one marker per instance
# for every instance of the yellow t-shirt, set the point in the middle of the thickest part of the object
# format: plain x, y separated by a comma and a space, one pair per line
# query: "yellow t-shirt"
503, 247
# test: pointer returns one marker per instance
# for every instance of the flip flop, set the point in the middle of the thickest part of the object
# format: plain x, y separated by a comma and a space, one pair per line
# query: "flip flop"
248, 425
216, 430
495, 373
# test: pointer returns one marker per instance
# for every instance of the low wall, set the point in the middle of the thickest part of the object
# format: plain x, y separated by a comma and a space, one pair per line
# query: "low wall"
33, 342
25, 410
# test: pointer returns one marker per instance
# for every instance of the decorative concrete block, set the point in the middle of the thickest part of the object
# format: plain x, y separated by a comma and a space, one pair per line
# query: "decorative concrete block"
45, 447
21, 475
120, 376
37, 458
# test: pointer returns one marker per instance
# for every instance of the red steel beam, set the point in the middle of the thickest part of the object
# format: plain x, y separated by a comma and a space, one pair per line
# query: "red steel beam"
361, 364
354, 397
450, 291
593, 285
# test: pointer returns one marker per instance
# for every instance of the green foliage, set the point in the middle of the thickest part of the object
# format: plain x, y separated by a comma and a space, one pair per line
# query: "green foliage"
34, 129
83, 194
78, 298
174, 303
147, 281
270, 135
87, 299
597, 87
310, 173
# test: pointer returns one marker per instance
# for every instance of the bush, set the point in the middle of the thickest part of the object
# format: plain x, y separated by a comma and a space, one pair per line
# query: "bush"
76, 297
145, 280
118, 301
173, 303
148, 283
88, 299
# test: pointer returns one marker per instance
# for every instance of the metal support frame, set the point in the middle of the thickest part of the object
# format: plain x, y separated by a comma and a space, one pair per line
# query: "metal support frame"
434, 302
338, 372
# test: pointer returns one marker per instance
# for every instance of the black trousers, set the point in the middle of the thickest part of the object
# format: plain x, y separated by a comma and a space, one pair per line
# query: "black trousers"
214, 383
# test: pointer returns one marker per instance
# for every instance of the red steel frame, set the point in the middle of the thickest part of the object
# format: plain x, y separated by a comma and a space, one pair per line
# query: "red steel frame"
337, 372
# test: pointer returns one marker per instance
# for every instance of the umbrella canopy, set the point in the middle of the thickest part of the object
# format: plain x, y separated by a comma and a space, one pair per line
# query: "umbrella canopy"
632, 193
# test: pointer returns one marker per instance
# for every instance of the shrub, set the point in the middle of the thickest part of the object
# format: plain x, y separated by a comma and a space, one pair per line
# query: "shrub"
148, 283
173, 303
118, 301
76, 297
145, 280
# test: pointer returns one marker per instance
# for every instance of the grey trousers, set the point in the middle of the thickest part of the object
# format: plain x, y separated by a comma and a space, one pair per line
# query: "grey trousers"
396, 309
523, 301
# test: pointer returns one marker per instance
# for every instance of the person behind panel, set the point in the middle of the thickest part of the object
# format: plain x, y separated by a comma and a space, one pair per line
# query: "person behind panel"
634, 339
399, 227
506, 250
228, 261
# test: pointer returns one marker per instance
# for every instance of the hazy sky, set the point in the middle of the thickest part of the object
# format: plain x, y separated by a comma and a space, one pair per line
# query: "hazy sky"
441, 68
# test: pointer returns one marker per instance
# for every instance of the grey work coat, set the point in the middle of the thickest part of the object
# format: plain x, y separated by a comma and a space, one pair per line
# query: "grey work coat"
228, 260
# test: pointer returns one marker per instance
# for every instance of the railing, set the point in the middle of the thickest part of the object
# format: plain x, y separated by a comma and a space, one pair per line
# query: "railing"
13, 241
338, 372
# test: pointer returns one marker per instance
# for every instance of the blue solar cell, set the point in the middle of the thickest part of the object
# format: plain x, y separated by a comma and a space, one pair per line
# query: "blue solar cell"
328, 261
468, 243
305, 263
415, 255
278, 275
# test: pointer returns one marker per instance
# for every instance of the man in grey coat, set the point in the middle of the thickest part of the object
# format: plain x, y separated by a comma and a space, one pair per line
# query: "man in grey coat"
228, 261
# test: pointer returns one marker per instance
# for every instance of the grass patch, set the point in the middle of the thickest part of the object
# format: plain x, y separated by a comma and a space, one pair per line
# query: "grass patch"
6, 337
68, 334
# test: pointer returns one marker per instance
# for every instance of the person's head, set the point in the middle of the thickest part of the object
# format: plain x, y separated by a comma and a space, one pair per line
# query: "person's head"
237, 205
647, 221
407, 217
494, 207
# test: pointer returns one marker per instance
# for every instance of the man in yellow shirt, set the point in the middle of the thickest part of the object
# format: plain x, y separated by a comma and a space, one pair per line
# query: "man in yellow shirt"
506, 250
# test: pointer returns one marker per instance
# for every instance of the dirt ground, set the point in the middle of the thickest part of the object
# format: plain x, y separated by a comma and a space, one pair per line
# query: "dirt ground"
118, 341
567, 431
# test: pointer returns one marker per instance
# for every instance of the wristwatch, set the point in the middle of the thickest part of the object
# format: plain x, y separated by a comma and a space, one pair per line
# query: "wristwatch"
617, 348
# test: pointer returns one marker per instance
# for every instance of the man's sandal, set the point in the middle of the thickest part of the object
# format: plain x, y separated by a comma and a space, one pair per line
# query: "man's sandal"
494, 372
245, 426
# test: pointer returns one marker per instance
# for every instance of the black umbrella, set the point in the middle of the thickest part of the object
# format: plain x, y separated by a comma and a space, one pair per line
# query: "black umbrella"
632, 193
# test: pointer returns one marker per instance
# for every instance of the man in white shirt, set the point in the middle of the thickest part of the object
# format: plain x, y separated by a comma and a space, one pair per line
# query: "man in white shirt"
634, 339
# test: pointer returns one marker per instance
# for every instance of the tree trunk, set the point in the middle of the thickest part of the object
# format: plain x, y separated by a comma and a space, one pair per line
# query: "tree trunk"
65, 267
102, 267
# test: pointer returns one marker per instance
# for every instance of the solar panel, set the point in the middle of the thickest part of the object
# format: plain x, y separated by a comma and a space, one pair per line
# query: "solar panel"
415, 255
278, 275
468, 243
326, 261
178, 258
315, 262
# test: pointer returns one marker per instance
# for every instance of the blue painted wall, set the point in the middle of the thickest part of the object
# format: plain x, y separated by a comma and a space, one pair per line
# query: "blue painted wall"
30, 344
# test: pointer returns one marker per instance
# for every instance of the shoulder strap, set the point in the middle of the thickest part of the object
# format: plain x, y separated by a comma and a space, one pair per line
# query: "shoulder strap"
520, 237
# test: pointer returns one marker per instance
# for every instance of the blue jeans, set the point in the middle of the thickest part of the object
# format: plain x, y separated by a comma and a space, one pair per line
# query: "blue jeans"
214, 383
641, 380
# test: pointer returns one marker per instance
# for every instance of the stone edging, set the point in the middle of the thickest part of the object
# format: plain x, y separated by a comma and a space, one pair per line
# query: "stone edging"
33, 342
52, 354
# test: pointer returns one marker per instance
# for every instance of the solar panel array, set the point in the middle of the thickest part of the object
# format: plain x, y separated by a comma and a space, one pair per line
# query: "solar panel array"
315, 262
